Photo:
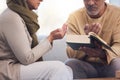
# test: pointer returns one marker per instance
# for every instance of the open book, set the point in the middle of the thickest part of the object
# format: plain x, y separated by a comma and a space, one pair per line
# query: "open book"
77, 41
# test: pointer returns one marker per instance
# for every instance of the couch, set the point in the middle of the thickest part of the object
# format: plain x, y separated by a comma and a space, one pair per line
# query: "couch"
58, 51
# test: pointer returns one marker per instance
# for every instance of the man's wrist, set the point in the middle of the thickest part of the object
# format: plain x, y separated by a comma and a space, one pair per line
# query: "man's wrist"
103, 54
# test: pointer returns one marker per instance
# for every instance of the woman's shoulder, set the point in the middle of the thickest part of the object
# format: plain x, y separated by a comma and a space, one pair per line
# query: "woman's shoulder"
9, 15
10, 19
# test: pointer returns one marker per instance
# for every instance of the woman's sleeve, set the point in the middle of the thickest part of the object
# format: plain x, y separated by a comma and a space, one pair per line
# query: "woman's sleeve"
17, 38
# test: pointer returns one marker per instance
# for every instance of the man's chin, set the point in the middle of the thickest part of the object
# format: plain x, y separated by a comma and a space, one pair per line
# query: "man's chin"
93, 13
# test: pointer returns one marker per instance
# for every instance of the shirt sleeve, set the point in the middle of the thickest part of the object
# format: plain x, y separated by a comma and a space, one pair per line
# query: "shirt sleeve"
115, 44
18, 41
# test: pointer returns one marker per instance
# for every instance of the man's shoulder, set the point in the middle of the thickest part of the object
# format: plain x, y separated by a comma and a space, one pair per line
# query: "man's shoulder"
113, 8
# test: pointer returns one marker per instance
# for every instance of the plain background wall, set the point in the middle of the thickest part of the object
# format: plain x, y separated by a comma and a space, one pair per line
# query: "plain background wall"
115, 2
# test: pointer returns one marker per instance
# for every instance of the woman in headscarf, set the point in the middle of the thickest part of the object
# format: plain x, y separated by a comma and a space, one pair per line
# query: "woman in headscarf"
20, 52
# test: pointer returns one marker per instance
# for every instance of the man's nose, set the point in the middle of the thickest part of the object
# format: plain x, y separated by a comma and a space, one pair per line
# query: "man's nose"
91, 2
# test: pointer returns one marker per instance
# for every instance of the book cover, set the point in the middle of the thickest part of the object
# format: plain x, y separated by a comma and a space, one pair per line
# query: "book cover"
76, 41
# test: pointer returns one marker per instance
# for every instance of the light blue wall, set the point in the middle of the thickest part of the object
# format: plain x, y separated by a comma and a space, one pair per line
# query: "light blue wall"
115, 2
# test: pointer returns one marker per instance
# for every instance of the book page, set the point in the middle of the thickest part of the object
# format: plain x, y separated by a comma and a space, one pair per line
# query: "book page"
94, 36
97, 37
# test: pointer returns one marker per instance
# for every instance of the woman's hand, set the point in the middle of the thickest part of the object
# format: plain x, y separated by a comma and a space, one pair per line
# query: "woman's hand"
58, 33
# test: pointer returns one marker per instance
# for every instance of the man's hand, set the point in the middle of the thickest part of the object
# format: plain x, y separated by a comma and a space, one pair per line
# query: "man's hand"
94, 27
94, 52
58, 33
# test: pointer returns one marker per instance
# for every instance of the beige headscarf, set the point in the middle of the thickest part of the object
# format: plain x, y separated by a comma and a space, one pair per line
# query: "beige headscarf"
30, 18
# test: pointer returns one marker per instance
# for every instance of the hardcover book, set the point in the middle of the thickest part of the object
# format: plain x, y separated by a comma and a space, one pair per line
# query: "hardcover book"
77, 41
